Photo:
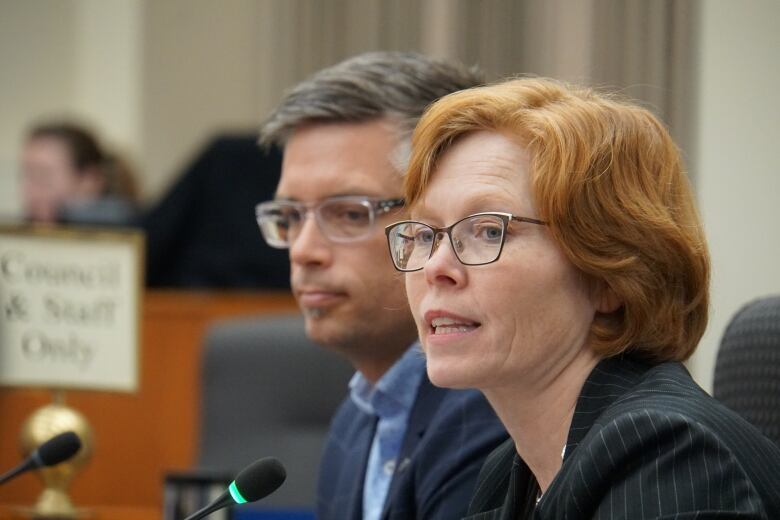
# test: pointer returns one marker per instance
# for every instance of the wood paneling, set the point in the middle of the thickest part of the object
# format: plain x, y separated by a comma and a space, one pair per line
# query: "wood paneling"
97, 513
138, 437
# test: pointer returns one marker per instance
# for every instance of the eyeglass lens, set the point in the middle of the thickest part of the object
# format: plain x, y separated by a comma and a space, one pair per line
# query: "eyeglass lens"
475, 240
338, 219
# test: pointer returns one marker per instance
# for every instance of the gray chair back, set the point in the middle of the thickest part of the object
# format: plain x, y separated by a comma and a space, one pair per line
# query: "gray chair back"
747, 371
268, 391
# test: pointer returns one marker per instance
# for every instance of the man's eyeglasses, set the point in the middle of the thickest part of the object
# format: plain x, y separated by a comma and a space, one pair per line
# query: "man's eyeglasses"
341, 219
477, 239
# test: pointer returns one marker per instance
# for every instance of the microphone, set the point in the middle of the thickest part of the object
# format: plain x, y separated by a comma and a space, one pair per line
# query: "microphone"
256, 481
57, 449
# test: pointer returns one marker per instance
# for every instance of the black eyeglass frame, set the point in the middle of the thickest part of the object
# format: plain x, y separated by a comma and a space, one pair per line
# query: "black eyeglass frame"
506, 218
376, 205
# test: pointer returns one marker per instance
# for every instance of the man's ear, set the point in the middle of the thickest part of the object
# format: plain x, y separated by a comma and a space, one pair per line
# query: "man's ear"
606, 300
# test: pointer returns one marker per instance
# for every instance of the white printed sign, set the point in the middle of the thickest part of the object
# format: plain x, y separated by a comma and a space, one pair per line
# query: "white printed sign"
69, 308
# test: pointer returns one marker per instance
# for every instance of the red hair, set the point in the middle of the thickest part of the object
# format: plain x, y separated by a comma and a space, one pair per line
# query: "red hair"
609, 181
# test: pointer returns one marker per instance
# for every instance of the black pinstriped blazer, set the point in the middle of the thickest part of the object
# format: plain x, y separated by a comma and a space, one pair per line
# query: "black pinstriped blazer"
645, 442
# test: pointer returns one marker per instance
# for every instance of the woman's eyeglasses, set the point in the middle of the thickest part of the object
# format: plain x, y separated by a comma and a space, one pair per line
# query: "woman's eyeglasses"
476, 240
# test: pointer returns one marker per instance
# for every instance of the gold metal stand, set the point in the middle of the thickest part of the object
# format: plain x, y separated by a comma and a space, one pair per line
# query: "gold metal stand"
42, 425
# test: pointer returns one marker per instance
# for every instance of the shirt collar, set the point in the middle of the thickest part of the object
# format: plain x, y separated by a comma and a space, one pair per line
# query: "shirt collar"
395, 391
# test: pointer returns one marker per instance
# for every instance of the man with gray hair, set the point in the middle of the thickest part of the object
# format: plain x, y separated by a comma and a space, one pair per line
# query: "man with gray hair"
398, 447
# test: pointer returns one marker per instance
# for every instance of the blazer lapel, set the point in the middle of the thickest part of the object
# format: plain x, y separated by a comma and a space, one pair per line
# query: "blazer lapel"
355, 467
425, 406
503, 477
610, 379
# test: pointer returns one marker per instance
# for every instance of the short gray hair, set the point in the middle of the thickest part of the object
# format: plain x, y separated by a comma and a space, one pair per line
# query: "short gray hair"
398, 85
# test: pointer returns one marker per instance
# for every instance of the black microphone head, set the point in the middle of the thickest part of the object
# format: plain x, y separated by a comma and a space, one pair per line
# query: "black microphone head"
59, 448
259, 479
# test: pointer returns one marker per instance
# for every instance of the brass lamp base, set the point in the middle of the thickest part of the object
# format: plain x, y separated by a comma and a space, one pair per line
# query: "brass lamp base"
54, 504
42, 425
30, 513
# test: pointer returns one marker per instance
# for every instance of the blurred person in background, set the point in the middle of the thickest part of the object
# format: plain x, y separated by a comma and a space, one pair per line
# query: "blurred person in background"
398, 447
67, 177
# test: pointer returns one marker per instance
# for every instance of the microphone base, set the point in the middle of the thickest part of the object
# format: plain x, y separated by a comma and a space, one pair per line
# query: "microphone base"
31, 513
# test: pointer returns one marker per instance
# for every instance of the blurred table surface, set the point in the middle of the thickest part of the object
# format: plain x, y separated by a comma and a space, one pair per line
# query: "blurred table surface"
140, 436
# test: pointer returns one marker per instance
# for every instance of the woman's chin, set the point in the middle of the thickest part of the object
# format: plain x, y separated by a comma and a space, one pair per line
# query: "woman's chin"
451, 375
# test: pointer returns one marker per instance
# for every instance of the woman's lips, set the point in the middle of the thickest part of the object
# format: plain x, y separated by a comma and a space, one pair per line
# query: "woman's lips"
443, 324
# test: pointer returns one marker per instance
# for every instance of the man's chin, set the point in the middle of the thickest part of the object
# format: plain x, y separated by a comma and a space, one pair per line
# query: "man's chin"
322, 328
313, 314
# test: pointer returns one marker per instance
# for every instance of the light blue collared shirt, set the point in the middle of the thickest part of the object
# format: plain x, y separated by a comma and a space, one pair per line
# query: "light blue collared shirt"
391, 401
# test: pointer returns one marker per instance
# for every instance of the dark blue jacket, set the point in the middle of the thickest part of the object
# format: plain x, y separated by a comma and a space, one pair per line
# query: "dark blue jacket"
450, 433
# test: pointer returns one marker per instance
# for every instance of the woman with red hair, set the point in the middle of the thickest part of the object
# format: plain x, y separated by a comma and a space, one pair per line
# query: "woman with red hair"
555, 261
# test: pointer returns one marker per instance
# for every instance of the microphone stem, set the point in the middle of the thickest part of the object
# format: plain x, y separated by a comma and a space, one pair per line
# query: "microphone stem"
21, 468
224, 500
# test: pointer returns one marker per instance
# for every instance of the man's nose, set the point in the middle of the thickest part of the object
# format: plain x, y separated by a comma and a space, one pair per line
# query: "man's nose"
308, 245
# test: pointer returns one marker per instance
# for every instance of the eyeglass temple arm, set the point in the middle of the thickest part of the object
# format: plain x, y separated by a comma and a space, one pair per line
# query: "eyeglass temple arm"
387, 205
530, 220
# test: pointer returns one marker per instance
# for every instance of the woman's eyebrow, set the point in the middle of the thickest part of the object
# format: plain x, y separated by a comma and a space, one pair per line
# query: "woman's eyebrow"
482, 202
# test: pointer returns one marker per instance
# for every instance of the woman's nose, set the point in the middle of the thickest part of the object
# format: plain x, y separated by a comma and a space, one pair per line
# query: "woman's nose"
443, 266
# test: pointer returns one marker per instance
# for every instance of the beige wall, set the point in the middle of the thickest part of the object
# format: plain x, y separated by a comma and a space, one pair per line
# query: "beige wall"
199, 77
108, 69
211, 67
37, 55
737, 160
67, 58
158, 78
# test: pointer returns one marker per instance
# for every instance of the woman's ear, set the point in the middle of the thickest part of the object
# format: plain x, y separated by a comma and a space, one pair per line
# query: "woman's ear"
606, 300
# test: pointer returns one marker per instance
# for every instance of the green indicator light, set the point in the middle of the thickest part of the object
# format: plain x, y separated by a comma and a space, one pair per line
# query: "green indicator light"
236, 494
